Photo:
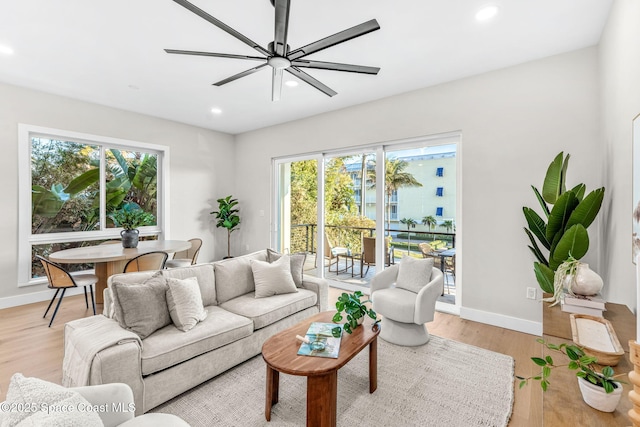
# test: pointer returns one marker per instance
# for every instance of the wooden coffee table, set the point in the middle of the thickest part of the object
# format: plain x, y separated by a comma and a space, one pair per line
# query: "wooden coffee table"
280, 352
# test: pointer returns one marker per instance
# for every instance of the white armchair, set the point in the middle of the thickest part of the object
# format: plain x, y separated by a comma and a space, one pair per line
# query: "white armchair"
406, 309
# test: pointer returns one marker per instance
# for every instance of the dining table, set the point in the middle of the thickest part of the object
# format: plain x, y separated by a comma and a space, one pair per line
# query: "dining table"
111, 259
448, 253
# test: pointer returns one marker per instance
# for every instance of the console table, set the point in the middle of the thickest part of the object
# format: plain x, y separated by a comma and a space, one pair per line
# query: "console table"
562, 402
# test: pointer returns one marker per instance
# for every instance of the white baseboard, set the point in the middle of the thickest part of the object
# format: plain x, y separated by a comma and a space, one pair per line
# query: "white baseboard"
448, 308
32, 297
502, 321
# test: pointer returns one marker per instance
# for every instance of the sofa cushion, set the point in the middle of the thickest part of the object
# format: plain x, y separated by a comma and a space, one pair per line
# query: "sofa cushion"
265, 311
297, 264
169, 346
185, 303
141, 307
414, 274
273, 279
206, 280
31, 397
234, 276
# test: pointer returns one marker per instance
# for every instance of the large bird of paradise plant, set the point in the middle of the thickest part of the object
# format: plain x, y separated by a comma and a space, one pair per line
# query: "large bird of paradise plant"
562, 228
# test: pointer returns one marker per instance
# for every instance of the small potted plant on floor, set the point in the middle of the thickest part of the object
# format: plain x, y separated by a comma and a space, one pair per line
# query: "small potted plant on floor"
227, 216
130, 218
600, 390
355, 311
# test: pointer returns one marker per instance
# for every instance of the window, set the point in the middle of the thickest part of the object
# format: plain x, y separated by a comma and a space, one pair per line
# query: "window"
440, 172
394, 196
394, 212
71, 183
439, 211
440, 191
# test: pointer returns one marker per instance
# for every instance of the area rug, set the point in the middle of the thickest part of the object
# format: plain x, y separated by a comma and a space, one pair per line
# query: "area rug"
443, 383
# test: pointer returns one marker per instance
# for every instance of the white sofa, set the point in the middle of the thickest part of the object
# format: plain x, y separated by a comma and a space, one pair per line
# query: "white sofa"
169, 361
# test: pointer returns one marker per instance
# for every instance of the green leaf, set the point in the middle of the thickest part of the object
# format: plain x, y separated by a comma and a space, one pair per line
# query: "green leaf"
546, 371
337, 318
608, 387
83, 181
549, 360
544, 275
538, 361
560, 214
607, 371
587, 209
572, 354
537, 226
544, 385
554, 181
573, 365
543, 204
336, 332
522, 384
574, 242
579, 191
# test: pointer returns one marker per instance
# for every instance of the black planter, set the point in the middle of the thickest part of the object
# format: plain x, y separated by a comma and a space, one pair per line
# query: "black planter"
129, 238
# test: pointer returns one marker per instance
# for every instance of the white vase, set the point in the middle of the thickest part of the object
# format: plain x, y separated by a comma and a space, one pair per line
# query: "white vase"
597, 398
585, 281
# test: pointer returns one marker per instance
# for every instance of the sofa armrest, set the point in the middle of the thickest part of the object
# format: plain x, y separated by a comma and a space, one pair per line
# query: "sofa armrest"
427, 297
115, 402
320, 287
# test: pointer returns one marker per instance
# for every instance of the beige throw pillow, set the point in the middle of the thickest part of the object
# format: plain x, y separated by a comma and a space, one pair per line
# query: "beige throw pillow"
414, 273
32, 397
273, 279
297, 264
185, 303
141, 307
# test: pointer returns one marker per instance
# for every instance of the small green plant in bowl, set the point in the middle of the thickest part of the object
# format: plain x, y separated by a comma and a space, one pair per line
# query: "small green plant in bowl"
355, 310
132, 218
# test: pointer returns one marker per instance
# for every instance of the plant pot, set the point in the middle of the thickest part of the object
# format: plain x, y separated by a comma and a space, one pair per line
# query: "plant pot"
596, 397
585, 281
129, 238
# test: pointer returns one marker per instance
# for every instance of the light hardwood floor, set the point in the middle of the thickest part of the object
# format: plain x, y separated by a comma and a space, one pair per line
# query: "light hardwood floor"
28, 346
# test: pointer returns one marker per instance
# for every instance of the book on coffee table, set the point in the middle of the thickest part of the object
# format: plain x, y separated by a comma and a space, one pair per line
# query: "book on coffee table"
321, 343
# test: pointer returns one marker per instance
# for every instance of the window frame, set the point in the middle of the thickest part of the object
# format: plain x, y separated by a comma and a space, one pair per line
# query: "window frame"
439, 211
439, 191
26, 240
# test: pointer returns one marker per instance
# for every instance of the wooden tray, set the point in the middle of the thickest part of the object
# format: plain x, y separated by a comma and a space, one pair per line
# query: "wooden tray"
597, 338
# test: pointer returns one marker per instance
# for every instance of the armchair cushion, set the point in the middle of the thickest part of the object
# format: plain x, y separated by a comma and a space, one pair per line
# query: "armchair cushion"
39, 396
185, 303
141, 308
414, 273
396, 304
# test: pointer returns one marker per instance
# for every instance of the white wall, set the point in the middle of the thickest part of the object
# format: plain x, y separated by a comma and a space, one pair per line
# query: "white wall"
200, 169
513, 122
620, 103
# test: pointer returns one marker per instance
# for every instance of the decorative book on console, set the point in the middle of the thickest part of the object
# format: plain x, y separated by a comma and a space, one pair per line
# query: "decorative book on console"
594, 308
592, 301
319, 341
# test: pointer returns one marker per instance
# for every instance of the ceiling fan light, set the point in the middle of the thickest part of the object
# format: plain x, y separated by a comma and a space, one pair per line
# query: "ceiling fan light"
486, 13
279, 62
216, 110
291, 83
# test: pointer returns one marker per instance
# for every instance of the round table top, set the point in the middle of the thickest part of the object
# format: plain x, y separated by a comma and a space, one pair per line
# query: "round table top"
115, 252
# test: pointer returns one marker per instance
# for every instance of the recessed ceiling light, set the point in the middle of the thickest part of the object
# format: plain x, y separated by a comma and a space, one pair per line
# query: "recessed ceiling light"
6, 50
291, 83
216, 110
486, 13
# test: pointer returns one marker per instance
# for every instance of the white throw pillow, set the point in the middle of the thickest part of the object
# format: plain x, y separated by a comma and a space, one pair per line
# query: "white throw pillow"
41, 403
414, 273
297, 264
273, 279
185, 303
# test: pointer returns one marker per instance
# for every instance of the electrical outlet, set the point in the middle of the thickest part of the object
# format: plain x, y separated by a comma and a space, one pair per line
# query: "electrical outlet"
531, 293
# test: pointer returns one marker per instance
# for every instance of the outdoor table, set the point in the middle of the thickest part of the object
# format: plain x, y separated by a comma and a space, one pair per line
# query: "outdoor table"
111, 259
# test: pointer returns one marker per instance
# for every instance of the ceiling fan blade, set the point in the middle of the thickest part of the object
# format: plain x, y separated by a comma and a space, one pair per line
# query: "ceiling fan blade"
335, 66
335, 39
218, 55
239, 75
276, 89
204, 15
312, 81
281, 27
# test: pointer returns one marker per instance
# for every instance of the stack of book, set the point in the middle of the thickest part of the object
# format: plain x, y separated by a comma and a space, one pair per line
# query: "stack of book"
592, 305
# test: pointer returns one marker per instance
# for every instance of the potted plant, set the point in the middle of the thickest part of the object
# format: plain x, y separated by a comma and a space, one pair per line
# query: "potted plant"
227, 216
567, 215
130, 218
577, 278
600, 390
355, 311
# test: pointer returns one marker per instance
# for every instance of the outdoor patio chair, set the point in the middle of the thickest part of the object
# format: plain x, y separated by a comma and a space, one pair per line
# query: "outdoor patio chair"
187, 257
450, 269
369, 254
147, 262
429, 252
60, 279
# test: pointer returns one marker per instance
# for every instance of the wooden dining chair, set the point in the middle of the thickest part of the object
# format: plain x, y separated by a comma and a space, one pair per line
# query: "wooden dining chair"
146, 262
187, 257
60, 279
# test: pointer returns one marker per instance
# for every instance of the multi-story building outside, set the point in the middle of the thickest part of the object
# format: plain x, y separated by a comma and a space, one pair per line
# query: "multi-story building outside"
435, 170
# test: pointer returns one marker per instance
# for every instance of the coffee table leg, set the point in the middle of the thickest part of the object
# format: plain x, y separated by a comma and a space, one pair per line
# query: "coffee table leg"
373, 365
273, 384
322, 395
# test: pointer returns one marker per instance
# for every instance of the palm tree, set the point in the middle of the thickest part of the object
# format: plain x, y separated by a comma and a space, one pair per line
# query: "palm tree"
409, 222
448, 225
429, 221
395, 178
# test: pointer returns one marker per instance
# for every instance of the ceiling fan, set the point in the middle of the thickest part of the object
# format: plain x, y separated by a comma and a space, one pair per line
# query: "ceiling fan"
278, 56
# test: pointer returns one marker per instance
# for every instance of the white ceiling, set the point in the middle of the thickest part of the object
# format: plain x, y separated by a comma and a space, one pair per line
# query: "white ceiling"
111, 52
